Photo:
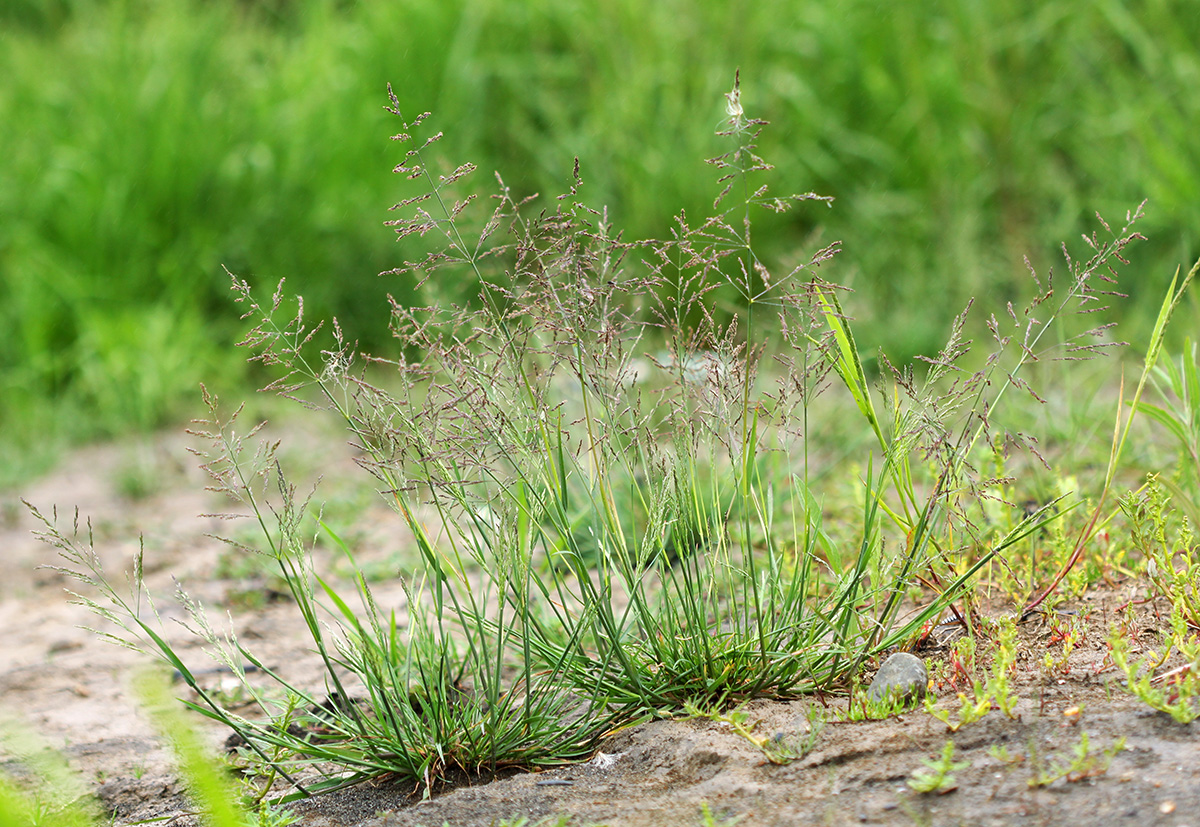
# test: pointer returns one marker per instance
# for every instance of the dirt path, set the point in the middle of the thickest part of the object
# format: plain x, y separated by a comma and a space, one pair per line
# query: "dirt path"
71, 687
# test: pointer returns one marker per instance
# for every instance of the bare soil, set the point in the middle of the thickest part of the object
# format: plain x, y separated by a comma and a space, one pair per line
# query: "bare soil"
71, 687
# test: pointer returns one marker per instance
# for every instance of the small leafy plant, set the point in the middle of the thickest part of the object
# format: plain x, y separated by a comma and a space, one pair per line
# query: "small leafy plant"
991, 692
1167, 546
860, 706
709, 819
1176, 691
1068, 631
1000, 753
1084, 763
936, 777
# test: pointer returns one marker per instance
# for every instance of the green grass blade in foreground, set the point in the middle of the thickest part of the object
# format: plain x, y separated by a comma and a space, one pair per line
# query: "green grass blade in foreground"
51, 794
62, 799
210, 787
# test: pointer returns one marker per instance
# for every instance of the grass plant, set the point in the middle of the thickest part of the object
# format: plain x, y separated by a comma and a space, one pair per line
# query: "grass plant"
1177, 386
394, 702
605, 462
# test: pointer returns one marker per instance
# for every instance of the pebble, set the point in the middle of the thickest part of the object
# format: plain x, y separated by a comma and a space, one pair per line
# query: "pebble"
902, 676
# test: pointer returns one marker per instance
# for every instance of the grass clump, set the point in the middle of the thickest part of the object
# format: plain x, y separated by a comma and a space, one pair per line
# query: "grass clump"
608, 465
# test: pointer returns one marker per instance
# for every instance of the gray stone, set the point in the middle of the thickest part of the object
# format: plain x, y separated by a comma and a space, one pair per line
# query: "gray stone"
902, 677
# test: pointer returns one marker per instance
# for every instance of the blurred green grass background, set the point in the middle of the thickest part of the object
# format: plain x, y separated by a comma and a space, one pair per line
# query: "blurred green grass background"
147, 143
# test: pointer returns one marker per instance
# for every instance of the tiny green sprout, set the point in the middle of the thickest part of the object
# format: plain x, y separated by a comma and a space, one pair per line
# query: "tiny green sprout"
1000, 753
861, 708
1084, 763
707, 819
937, 778
1006, 655
970, 710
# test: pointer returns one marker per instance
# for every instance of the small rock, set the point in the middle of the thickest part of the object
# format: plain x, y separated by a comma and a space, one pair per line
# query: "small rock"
902, 677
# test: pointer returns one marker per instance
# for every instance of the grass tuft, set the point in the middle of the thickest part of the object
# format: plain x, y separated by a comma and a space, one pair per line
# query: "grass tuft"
608, 463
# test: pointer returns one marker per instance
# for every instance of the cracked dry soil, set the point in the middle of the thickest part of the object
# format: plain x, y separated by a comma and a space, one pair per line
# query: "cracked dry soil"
71, 688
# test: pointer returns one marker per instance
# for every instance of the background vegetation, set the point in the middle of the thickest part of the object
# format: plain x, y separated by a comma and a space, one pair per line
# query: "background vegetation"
147, 144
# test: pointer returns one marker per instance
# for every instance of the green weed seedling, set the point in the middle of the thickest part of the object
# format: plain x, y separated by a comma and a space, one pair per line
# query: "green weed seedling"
1069, 631
1176, 692
936, 777
1000, 753
1084, 763
970, 709
998, 686
1167, 544
961, 664
994, 691
861, 707
709, 819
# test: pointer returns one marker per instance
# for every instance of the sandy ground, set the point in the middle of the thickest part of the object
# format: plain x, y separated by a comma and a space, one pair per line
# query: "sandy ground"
72, 688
